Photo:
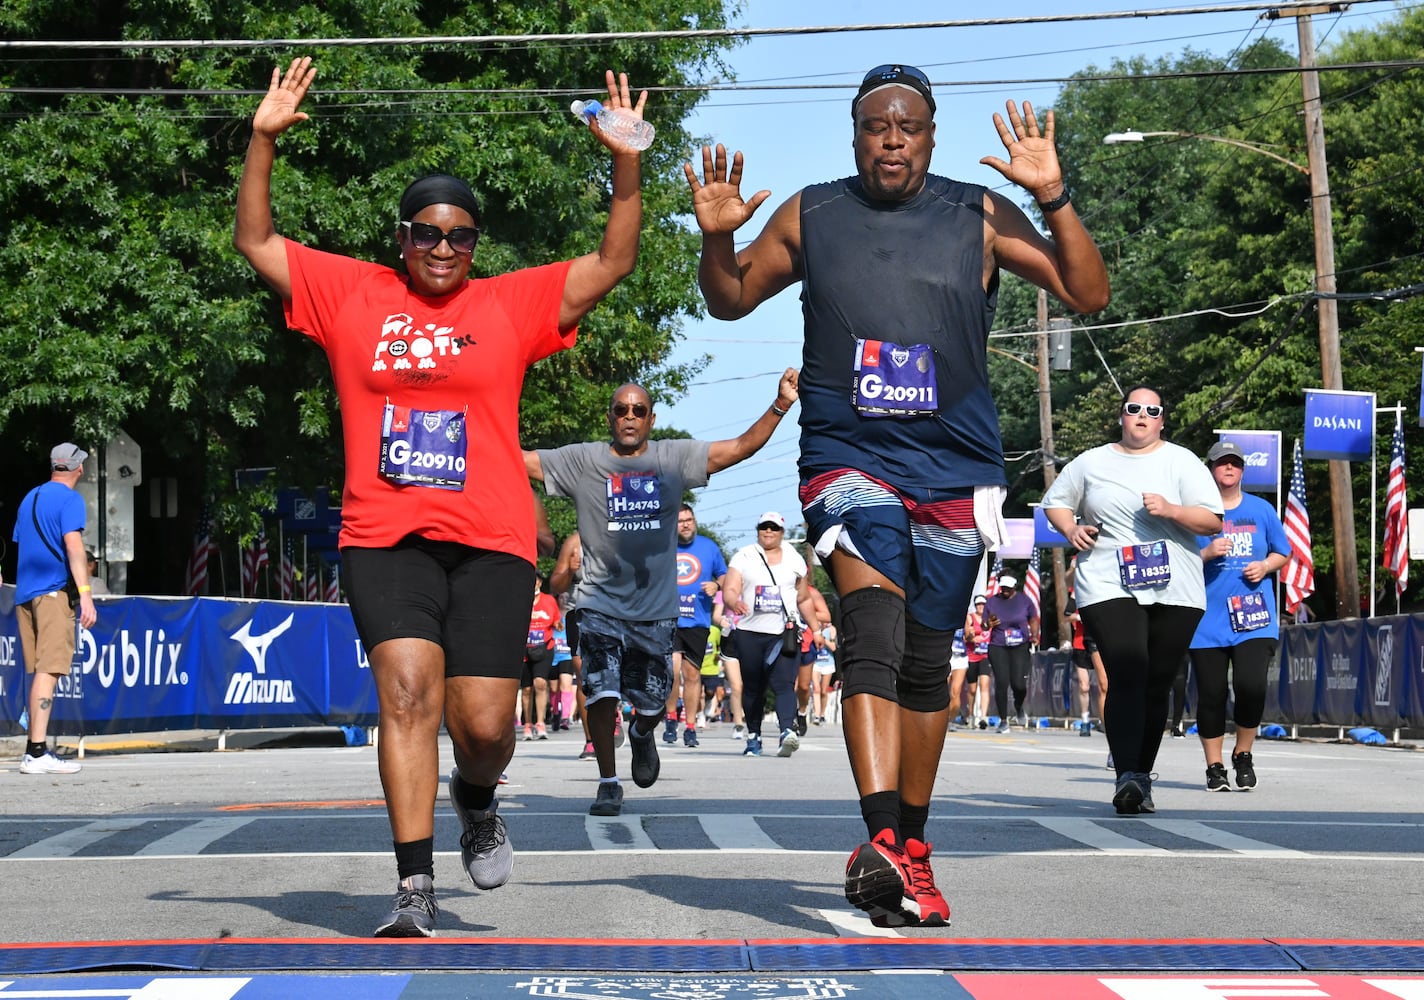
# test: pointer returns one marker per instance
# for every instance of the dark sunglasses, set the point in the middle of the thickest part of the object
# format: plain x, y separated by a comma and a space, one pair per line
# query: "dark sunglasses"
768, 526
890, 72
640, 410
424, 236
1133, 409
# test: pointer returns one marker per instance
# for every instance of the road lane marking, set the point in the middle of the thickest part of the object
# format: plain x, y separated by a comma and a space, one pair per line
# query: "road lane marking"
853, 923
74, 840
192, 839
1192, 830
617, 833
731, 832
1086, 831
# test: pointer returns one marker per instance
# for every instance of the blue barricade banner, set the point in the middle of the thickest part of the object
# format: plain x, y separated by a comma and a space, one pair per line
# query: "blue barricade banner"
1045, 535
1339, 424
155, 664
1292, 698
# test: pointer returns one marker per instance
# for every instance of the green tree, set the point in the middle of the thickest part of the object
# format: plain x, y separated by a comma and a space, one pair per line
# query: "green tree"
125, 305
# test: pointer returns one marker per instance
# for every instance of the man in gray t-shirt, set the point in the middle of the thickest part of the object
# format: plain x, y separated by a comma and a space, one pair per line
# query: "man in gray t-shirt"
627, 493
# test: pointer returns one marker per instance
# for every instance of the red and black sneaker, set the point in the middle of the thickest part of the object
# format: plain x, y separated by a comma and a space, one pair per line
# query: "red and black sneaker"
929, 903
878, 882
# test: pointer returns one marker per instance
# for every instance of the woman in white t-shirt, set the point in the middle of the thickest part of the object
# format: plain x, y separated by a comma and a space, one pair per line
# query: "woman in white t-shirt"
765, 584
1133, 510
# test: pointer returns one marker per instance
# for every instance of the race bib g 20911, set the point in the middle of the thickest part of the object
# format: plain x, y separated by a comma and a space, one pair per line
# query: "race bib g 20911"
1144, 566
423, 447
1248, 612
891, 380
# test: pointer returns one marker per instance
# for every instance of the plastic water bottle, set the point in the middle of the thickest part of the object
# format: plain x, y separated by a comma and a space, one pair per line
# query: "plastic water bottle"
625, 128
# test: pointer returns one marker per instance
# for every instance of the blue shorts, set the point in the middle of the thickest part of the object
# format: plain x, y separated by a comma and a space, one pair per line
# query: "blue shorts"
924, 541
631, 660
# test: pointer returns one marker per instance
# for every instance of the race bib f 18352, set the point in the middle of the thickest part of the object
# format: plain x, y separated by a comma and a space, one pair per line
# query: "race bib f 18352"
891, 380
1144, 566
423, 447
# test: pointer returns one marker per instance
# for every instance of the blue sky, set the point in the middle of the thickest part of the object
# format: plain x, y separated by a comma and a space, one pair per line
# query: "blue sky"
799, 137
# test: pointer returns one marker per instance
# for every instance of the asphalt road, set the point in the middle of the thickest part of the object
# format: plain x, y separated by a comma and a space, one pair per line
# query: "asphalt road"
288, 839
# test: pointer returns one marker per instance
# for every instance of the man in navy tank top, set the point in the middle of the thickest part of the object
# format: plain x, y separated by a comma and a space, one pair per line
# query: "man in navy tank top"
902, 471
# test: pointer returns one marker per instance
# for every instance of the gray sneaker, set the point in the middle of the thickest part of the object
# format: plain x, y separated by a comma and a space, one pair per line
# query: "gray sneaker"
609, 801
414, 911
485, 850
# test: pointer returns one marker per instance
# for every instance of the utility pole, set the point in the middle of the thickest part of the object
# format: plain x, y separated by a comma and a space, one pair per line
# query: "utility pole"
1342, 501
1045, 429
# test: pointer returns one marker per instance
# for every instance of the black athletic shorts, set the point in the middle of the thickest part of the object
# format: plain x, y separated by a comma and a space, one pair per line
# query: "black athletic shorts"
691, 643
473, 603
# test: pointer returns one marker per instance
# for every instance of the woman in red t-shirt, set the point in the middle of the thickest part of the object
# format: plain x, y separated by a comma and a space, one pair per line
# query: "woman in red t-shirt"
438, 565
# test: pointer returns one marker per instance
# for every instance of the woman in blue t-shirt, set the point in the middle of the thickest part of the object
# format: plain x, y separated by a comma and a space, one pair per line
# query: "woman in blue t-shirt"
1240, 628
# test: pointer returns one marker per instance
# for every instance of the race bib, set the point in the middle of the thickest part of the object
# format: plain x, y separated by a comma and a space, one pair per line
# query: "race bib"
956, 645
635, 501
1013, 636
1248, 612
423, 447
768, 600
537, 637
1144, 566
687, 605
894, 381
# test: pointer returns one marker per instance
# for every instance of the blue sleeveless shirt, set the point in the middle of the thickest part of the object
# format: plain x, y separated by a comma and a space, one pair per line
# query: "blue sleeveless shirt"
912, 273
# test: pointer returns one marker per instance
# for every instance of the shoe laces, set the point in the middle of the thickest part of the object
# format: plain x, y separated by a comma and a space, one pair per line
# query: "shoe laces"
417, 899
921, 877
485, 836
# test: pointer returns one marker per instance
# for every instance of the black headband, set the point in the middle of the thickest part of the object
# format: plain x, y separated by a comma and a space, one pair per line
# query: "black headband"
438, 189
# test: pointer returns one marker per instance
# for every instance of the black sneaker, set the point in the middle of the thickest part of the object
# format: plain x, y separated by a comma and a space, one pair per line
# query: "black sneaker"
1216, 780
800, 725
1245, 773
645, 757
1127, 799
1146, 805
414, 911
609, 801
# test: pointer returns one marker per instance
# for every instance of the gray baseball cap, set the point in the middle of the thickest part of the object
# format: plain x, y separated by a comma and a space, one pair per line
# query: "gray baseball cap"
66, 457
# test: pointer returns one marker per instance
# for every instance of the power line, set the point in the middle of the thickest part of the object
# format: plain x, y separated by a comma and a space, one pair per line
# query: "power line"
616, 36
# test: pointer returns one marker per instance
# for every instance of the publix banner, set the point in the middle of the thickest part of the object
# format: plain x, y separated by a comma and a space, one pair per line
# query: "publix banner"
154, 664
1262, 451
1339, 425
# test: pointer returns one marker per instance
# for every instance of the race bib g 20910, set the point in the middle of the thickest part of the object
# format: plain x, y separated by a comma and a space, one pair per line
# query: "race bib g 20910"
1144, 566
423, 447
894, 381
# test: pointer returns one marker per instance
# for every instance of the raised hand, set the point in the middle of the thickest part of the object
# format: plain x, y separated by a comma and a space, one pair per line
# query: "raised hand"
619, 100
278, 110
1033, 160
717, 198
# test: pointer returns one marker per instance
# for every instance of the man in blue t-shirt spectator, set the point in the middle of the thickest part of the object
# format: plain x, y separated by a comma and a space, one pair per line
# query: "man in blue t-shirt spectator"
700, 569
1240, 627
49, 530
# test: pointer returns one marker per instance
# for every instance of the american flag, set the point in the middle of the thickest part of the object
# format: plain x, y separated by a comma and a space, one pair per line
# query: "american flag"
1031, 580
333, 585
287, 571
994, 573
254, 560
312, 581
1300, 567
1396, 537
196, 582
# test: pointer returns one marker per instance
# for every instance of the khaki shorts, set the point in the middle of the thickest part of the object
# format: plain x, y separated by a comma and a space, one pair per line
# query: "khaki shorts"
47, 633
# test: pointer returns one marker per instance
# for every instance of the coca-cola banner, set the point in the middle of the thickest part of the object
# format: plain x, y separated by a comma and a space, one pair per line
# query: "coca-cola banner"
1262, 451
1339, 425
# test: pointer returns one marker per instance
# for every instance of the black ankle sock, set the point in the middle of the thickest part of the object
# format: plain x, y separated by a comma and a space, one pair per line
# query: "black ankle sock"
881, 811
636, 725
415, 857
471, 796
36, 749
913, 820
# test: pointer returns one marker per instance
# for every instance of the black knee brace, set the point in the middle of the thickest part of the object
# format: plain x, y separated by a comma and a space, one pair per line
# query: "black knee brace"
923, 683
873, 642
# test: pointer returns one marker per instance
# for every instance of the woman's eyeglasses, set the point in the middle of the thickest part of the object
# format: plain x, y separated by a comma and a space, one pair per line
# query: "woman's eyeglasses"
424, 236
1133, 409
639, 410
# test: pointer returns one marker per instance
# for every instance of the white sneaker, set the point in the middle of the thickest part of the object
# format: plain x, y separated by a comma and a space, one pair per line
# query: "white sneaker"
739, 732
47, 763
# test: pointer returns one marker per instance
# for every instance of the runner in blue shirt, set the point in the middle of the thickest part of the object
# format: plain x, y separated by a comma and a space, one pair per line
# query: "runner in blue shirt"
1240, 627
700, 569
